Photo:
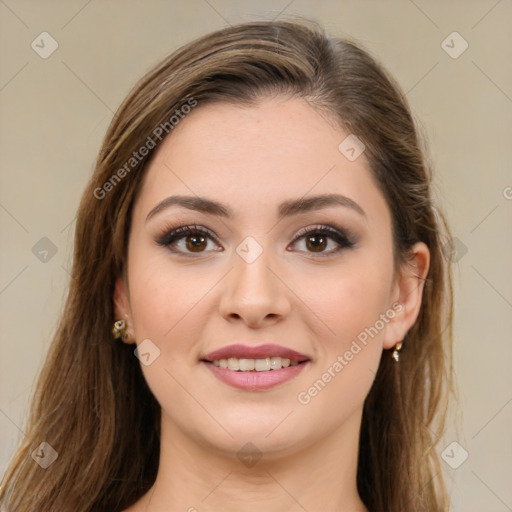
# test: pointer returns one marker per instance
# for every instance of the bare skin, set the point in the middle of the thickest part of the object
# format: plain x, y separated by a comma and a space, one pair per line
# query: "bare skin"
309, 293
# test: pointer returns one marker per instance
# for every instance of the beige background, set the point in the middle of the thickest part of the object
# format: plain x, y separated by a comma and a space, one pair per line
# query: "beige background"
56, 110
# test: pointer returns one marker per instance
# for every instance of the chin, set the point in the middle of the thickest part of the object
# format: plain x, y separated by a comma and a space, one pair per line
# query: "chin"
276, 434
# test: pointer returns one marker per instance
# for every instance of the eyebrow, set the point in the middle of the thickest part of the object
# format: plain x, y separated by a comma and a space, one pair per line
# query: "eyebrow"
286, 208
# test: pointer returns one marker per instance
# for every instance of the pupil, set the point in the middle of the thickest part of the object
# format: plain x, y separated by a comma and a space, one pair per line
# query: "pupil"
318, 242
195, 242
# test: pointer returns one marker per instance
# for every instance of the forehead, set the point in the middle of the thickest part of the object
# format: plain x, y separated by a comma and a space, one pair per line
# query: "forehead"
253, 156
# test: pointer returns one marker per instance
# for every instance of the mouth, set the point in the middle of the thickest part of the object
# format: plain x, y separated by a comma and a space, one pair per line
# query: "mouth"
255, 368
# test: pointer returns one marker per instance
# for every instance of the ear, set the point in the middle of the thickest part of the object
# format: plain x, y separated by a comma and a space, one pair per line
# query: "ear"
122, 309
407, 294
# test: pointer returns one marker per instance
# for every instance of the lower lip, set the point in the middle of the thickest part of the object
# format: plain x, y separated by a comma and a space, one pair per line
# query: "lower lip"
255, 381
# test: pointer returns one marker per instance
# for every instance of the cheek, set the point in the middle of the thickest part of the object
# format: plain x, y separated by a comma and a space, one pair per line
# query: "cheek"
167, 308
352, 303
348, 359
168, 302
349, 300
156, 301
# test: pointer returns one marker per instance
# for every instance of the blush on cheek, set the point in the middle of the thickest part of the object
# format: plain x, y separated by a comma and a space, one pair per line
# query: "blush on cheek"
160, 302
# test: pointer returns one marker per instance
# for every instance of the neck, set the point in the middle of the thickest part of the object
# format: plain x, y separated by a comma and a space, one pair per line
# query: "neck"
193, 478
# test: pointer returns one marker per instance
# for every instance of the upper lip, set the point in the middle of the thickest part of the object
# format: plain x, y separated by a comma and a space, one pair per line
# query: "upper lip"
240, 351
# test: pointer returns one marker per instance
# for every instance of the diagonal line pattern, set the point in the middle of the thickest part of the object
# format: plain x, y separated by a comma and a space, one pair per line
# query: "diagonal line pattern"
167, 167
66, 270
85, 85
13, 279
491, 80
490, 490
425, 14
14, 76
216, 487
5, 414
13, 13
75, 15
283, 9
480, 430
286, 491
421, 79
213, 8
485, 15
418, 494
68, 224
493, 287
332, 332
492, 211
280, 423
13, 218
198, 402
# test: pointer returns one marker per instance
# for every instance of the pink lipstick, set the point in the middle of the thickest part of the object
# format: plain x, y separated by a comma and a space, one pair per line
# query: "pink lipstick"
255, 368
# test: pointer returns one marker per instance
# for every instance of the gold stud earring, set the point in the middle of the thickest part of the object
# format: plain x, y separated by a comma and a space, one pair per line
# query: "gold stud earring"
119, 330
396, 352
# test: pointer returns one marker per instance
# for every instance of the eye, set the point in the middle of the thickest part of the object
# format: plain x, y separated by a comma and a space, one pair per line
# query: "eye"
188, 239
319, 238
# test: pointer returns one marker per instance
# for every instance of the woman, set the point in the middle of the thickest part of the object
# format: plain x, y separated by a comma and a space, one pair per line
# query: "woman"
260, 240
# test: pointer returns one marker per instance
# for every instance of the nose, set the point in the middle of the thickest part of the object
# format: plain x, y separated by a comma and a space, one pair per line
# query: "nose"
254, 293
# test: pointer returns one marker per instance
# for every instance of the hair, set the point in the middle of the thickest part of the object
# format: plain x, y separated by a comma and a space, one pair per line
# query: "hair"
92, 404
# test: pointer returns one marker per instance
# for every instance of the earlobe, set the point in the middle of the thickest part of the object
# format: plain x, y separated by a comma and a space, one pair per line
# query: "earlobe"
121, 327
408, 293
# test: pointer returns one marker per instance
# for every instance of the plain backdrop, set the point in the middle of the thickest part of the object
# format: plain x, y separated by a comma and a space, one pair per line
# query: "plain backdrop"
55, 110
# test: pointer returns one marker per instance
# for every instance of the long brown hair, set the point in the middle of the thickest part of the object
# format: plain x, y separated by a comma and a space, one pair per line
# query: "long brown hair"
92, 404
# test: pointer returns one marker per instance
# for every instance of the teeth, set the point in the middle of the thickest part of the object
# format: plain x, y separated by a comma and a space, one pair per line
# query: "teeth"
259, 365
233, 363
262, 365
246, 365
275, 363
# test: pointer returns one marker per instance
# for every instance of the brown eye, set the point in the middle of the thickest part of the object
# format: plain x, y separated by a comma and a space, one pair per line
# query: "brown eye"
316, 243
196, 243
187, 240
322, 240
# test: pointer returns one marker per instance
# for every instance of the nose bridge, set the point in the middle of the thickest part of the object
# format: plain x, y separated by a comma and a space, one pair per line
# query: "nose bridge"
253, 277
252, 291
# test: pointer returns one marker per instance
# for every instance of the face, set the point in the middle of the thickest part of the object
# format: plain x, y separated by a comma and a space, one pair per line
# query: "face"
297, 298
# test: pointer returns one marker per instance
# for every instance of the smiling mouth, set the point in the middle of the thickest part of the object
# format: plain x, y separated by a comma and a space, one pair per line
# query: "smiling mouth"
254, 365
255, 368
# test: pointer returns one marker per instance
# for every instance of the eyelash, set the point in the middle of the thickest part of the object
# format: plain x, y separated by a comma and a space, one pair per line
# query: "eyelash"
336, 234
171, 235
